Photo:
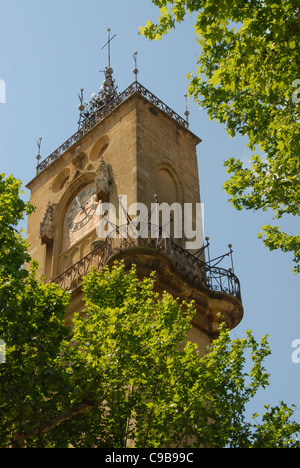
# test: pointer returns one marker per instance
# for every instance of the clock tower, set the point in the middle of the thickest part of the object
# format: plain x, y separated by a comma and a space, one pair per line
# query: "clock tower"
130, 150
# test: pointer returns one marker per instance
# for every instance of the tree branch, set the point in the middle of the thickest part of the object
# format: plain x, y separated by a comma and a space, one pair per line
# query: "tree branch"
20, 438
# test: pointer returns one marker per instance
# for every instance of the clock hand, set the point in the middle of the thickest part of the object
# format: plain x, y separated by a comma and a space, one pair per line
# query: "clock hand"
82, 207
78, 202
88, 201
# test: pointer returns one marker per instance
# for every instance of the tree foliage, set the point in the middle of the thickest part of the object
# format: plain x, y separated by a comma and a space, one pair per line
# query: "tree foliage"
248, 78
31, 326
12, 245
125, 374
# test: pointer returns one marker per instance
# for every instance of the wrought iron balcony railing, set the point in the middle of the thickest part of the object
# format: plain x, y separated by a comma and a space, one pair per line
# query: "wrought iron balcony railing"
198, 273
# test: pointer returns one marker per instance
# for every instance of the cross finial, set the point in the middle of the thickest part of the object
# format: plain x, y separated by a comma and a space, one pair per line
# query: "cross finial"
108, 44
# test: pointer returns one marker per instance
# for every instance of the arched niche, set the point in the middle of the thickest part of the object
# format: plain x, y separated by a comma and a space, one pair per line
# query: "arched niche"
169, 190
60, 180
99, 148
168, 185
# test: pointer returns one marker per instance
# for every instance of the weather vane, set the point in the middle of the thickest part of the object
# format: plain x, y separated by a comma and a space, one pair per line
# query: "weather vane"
108, 44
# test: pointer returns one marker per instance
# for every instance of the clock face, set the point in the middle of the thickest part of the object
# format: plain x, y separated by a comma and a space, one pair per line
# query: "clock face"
82, 209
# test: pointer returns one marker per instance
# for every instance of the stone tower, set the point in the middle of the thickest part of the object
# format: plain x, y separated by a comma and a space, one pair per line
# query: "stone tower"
130, 148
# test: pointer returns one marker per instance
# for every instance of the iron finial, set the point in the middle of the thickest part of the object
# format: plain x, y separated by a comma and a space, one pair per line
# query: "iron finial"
39, 142
81, 106
187, 113
135, 71
231, 257
39, 157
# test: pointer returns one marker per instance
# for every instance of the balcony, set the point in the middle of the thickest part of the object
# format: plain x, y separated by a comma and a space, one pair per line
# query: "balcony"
206, 276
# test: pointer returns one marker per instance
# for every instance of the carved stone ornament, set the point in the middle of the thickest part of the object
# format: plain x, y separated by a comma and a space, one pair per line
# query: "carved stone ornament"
47, 229
103, 182
80, 160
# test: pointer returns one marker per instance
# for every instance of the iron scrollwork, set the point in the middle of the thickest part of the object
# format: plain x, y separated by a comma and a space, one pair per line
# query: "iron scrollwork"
198, 272
98, 110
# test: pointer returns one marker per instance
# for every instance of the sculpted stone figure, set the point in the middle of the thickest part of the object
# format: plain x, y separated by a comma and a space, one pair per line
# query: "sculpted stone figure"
102, 182
47, 228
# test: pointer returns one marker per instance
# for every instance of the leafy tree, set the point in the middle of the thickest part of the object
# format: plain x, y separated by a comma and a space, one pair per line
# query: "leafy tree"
248, 79
12, 245
125, 375
31, 326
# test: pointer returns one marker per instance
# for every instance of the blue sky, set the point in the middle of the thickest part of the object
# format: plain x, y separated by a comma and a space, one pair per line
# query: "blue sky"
50, 50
